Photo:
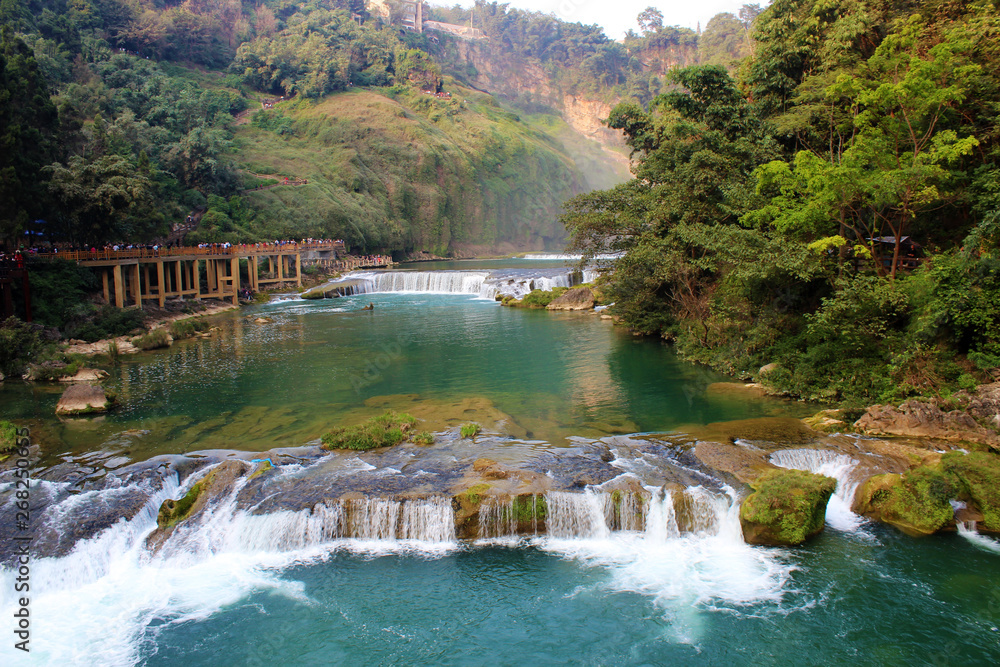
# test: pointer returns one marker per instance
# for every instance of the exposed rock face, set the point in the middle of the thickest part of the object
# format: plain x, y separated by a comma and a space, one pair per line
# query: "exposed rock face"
786, 508
86, 375
579, 298
332, 289
923, 419
82, 399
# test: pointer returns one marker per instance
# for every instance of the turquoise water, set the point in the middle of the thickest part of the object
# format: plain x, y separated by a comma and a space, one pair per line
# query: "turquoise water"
875, 598
866, 595
322, 363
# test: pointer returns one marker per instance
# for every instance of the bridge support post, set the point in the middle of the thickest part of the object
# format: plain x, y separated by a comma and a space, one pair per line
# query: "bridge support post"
136, 285
298, 267
119, 286
104, 284
234, 267
161, 287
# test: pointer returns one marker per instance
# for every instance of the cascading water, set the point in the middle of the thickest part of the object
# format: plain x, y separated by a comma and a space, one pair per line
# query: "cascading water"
838, 466
484, 284
967, 529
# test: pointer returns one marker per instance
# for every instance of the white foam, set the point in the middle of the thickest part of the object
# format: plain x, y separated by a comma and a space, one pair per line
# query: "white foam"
94, 605
969, 532
680, 572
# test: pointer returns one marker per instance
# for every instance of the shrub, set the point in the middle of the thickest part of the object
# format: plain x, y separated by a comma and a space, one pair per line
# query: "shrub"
153, 340
105, 322
8, 436
424, 438
387, 430
187, 328
19, 344
470, 430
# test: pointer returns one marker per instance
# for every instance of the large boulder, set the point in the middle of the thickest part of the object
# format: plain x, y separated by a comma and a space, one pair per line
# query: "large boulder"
924, 419
82, 399
579, 298
786, 508
915, 503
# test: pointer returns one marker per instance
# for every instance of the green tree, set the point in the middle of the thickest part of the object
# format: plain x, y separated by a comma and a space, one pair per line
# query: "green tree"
29, 126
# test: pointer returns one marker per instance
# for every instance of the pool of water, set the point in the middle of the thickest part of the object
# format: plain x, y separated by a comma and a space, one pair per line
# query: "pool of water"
533, 374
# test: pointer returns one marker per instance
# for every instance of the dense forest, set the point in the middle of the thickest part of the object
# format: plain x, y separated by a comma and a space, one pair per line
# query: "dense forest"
132, 114
826, 216
120, 118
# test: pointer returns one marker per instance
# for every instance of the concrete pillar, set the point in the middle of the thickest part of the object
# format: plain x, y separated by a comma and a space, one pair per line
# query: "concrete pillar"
252, 270
104, 282
119, 286
196, 278
161, 286
178, 279
281, 268
298, 267
234, 265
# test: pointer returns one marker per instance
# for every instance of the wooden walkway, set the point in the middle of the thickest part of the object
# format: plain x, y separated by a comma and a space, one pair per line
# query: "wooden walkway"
213, 272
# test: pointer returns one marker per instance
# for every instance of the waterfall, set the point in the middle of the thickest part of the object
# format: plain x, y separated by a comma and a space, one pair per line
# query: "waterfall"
426, 520
484, 284
967, 529
838, 466
657, 514
431, 282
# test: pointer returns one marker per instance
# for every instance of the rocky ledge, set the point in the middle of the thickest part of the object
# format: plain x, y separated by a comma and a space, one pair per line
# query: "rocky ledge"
965, 417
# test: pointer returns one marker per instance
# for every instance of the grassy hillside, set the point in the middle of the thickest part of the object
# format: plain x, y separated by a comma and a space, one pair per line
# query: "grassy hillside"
399, 169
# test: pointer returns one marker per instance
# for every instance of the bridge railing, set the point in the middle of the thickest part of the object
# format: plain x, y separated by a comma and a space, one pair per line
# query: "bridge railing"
241, 250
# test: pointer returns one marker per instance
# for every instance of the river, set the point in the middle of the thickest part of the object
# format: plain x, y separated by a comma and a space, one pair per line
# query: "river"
279, 572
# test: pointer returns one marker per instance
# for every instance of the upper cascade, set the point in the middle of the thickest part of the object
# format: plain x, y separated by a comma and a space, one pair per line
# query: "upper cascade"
484, 284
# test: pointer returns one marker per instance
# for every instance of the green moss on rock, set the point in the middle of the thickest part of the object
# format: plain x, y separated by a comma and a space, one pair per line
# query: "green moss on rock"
977, 477
916, 502
786, 508
8, 436
173, 511
386, 430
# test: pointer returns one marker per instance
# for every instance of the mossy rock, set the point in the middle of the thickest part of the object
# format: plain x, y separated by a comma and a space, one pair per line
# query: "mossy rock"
978, 478
915, 503
386, 430
174, 511
786, 508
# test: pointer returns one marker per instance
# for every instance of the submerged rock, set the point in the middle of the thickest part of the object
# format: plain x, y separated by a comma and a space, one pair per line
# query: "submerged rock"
82, 399
786, 508
579, 298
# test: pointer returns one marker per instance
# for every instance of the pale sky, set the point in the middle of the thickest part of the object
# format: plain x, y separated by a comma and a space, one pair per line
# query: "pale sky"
617, 16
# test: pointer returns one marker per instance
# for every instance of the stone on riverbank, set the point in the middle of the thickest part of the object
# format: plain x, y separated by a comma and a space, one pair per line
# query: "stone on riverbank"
786, 508
578, 298
926, 419
82, 399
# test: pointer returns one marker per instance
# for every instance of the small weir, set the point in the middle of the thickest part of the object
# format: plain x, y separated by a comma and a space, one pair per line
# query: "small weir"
484, 284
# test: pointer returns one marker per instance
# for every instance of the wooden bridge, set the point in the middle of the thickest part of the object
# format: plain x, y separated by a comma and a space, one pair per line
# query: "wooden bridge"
216, 271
